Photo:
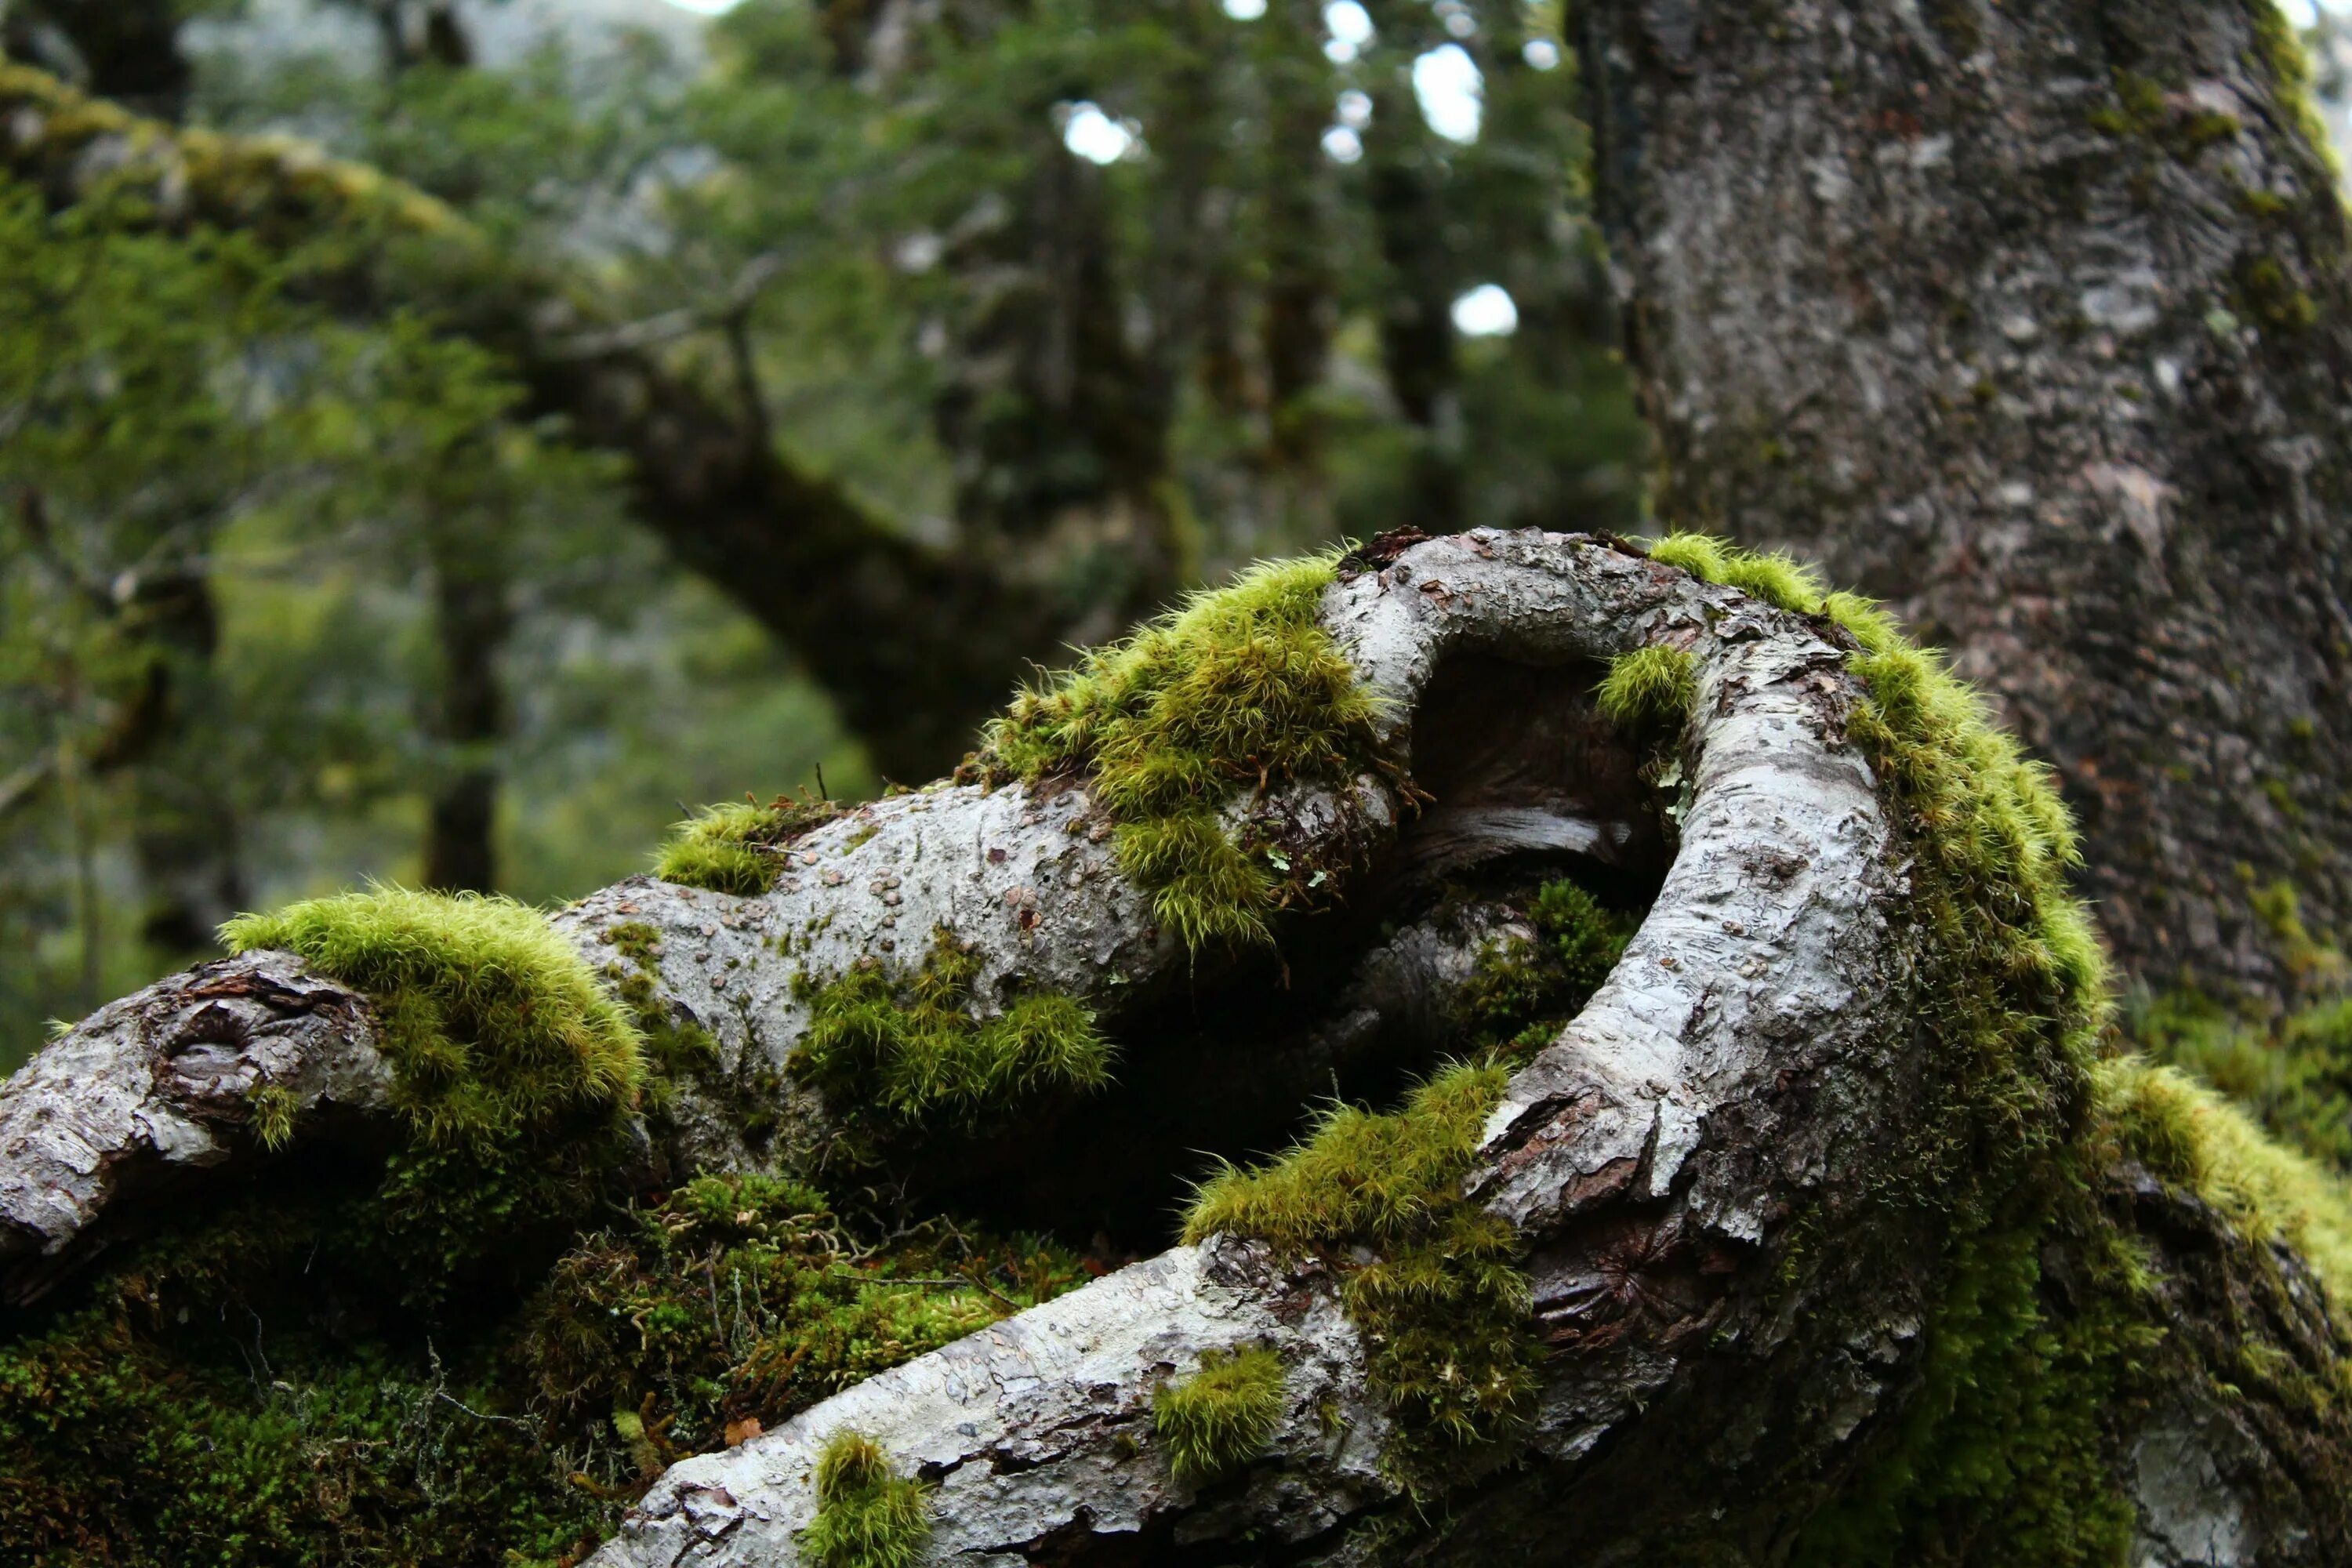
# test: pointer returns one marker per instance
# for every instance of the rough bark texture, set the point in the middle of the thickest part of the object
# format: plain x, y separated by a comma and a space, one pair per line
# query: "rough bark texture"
1732, 1319
914, 643
2036, 321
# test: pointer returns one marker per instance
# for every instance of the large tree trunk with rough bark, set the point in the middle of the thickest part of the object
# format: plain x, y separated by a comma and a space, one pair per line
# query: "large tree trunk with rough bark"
1709, 1272
2036, 321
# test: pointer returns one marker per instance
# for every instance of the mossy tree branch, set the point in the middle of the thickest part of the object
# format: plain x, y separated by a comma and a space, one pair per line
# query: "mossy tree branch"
1825, 1183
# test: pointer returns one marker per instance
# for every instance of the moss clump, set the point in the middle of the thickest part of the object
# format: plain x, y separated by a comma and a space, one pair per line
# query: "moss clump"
749, 1297
1442, 1309
1219, 1419
1241, 688
2293, 1073
1650, 686
2194, 1138
912, 1050
1523, 992
866, 1515
269, 1111
739, 847
493, 1024
674, 1046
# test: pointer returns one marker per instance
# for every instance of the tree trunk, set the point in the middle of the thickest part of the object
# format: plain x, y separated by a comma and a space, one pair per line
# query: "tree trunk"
471, 622
2036, 321
1712, 1259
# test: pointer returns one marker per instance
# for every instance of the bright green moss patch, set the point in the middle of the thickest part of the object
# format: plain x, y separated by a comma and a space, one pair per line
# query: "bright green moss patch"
2293, 1073
1442, 1309
748, 1295
1240, 689
1219, 1419
493, 1024
1648, 686
739, 847
2194, 1138
912, 1049
867, 1515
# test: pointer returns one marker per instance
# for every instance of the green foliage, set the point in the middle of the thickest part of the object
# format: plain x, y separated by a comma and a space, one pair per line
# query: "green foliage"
912, 1051
1650, 686
747, 1295
868, 1516
494, 1025
1240, 688
1219, 1419
1442, 1306
738, 847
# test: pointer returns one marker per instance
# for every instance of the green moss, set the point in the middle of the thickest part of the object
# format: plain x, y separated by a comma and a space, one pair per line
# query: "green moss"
130, 1440
868, 1516
1219, 1419
2194, 1138
1521, 992
749, 1297
270, 1111
2266, 293
913, 1051
2293, 1073
1443, 1306
2279, 51
675, 1046
1242, 688
2004, 1455
494, 1025
1650, 686
739, 847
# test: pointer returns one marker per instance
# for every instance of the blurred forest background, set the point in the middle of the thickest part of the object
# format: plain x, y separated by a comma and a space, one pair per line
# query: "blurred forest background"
794, 377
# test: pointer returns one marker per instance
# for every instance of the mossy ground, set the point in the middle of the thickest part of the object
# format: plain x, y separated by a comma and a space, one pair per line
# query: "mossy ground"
868, 1516
911, 1052
1219, 1419
739, 847
465, 1342
1239, 690
748, 1297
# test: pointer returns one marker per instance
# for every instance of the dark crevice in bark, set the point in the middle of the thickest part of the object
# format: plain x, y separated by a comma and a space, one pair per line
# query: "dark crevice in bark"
1529, 784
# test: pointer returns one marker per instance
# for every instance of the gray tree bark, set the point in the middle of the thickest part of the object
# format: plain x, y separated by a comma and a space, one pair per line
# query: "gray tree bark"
2036, 321
1733, 1325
